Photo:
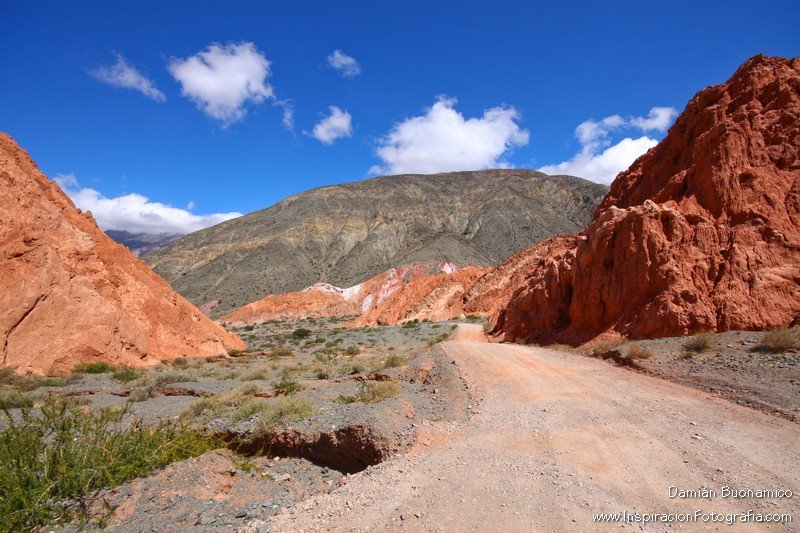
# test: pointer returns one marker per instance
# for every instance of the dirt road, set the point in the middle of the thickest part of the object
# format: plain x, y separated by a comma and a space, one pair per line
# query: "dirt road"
555, 437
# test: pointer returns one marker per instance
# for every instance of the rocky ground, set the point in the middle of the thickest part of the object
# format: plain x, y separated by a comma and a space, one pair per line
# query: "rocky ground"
734, 365
310, 404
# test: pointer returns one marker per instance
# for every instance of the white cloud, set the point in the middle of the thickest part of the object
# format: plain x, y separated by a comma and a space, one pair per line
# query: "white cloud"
442, 140
599, 160
335, 126
344, 64
136, 213
222, 79
659, 119
122, 74
288, 114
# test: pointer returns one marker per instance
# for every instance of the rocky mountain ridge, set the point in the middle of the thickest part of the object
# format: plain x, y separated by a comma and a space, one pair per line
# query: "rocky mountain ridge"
345, 234
69, 294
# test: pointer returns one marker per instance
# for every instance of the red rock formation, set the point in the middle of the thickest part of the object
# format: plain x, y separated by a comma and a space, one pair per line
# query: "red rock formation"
431, 296
702, 232
365, 299
69, 294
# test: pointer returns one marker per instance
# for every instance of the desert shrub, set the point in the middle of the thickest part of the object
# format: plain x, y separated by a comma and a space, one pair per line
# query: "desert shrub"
240, 405
780, 340
301, 333
7, 375
394, 361
165, 378
319, 340
63, 453
286, 387
238, 353
257, 374
285, 410
639, 353
354, 367
411, 323
126, 374
688, 354
322, 371
180, 362
141, 394
699, 342
600, 348
331, 344
353, 350
435, 326
473, 318
281, 352
29, 383
13, 399
248, 327
438, 338
371, 392
98, 367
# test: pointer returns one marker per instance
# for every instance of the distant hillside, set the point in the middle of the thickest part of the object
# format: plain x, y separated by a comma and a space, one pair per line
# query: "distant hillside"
344, 234
142, 243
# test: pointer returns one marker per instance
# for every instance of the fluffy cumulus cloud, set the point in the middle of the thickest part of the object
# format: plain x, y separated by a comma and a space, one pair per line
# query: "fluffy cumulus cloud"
599, 160
443, 140
222, 79
344, 64
335, 126
123, 74
136, 213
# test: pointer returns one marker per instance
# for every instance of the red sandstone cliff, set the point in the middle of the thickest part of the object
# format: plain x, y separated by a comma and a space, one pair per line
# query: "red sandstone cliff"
702, 232
69, 294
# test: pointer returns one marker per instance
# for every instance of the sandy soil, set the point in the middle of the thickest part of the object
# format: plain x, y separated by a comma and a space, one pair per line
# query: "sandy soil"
555, 437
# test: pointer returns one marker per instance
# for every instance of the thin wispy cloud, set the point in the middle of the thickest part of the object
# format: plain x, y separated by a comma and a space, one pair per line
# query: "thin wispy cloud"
137, 213
599, 160
443, 140
123, 74
344, 64
336, 125
222, 79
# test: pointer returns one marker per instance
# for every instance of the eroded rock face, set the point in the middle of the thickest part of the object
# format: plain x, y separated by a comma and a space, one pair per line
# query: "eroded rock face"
402, 293
702, 232
69, 294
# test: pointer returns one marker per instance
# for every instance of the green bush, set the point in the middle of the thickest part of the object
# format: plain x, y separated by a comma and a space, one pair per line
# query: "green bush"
126, 374
99, 367
286, 387
371, 392
353, 350
66, 454
301, 333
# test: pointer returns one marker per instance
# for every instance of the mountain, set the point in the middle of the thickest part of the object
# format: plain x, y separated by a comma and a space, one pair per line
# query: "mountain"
69, 294
143, 243
700, 233
345, 234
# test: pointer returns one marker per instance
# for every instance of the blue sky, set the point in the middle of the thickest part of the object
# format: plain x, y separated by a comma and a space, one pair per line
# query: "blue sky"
416, 86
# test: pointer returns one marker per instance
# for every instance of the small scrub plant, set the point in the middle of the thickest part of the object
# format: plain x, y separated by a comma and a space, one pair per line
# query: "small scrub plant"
699, 342
394, 361
281, 352
291, 409
636, 353
301, 333
98, 367
600, 348
780, 340
285, 387
438, 338
240, 405
411, 323
371, 392
353, 350
688, 354
180, 362
56, 459
125, 374
238, 353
